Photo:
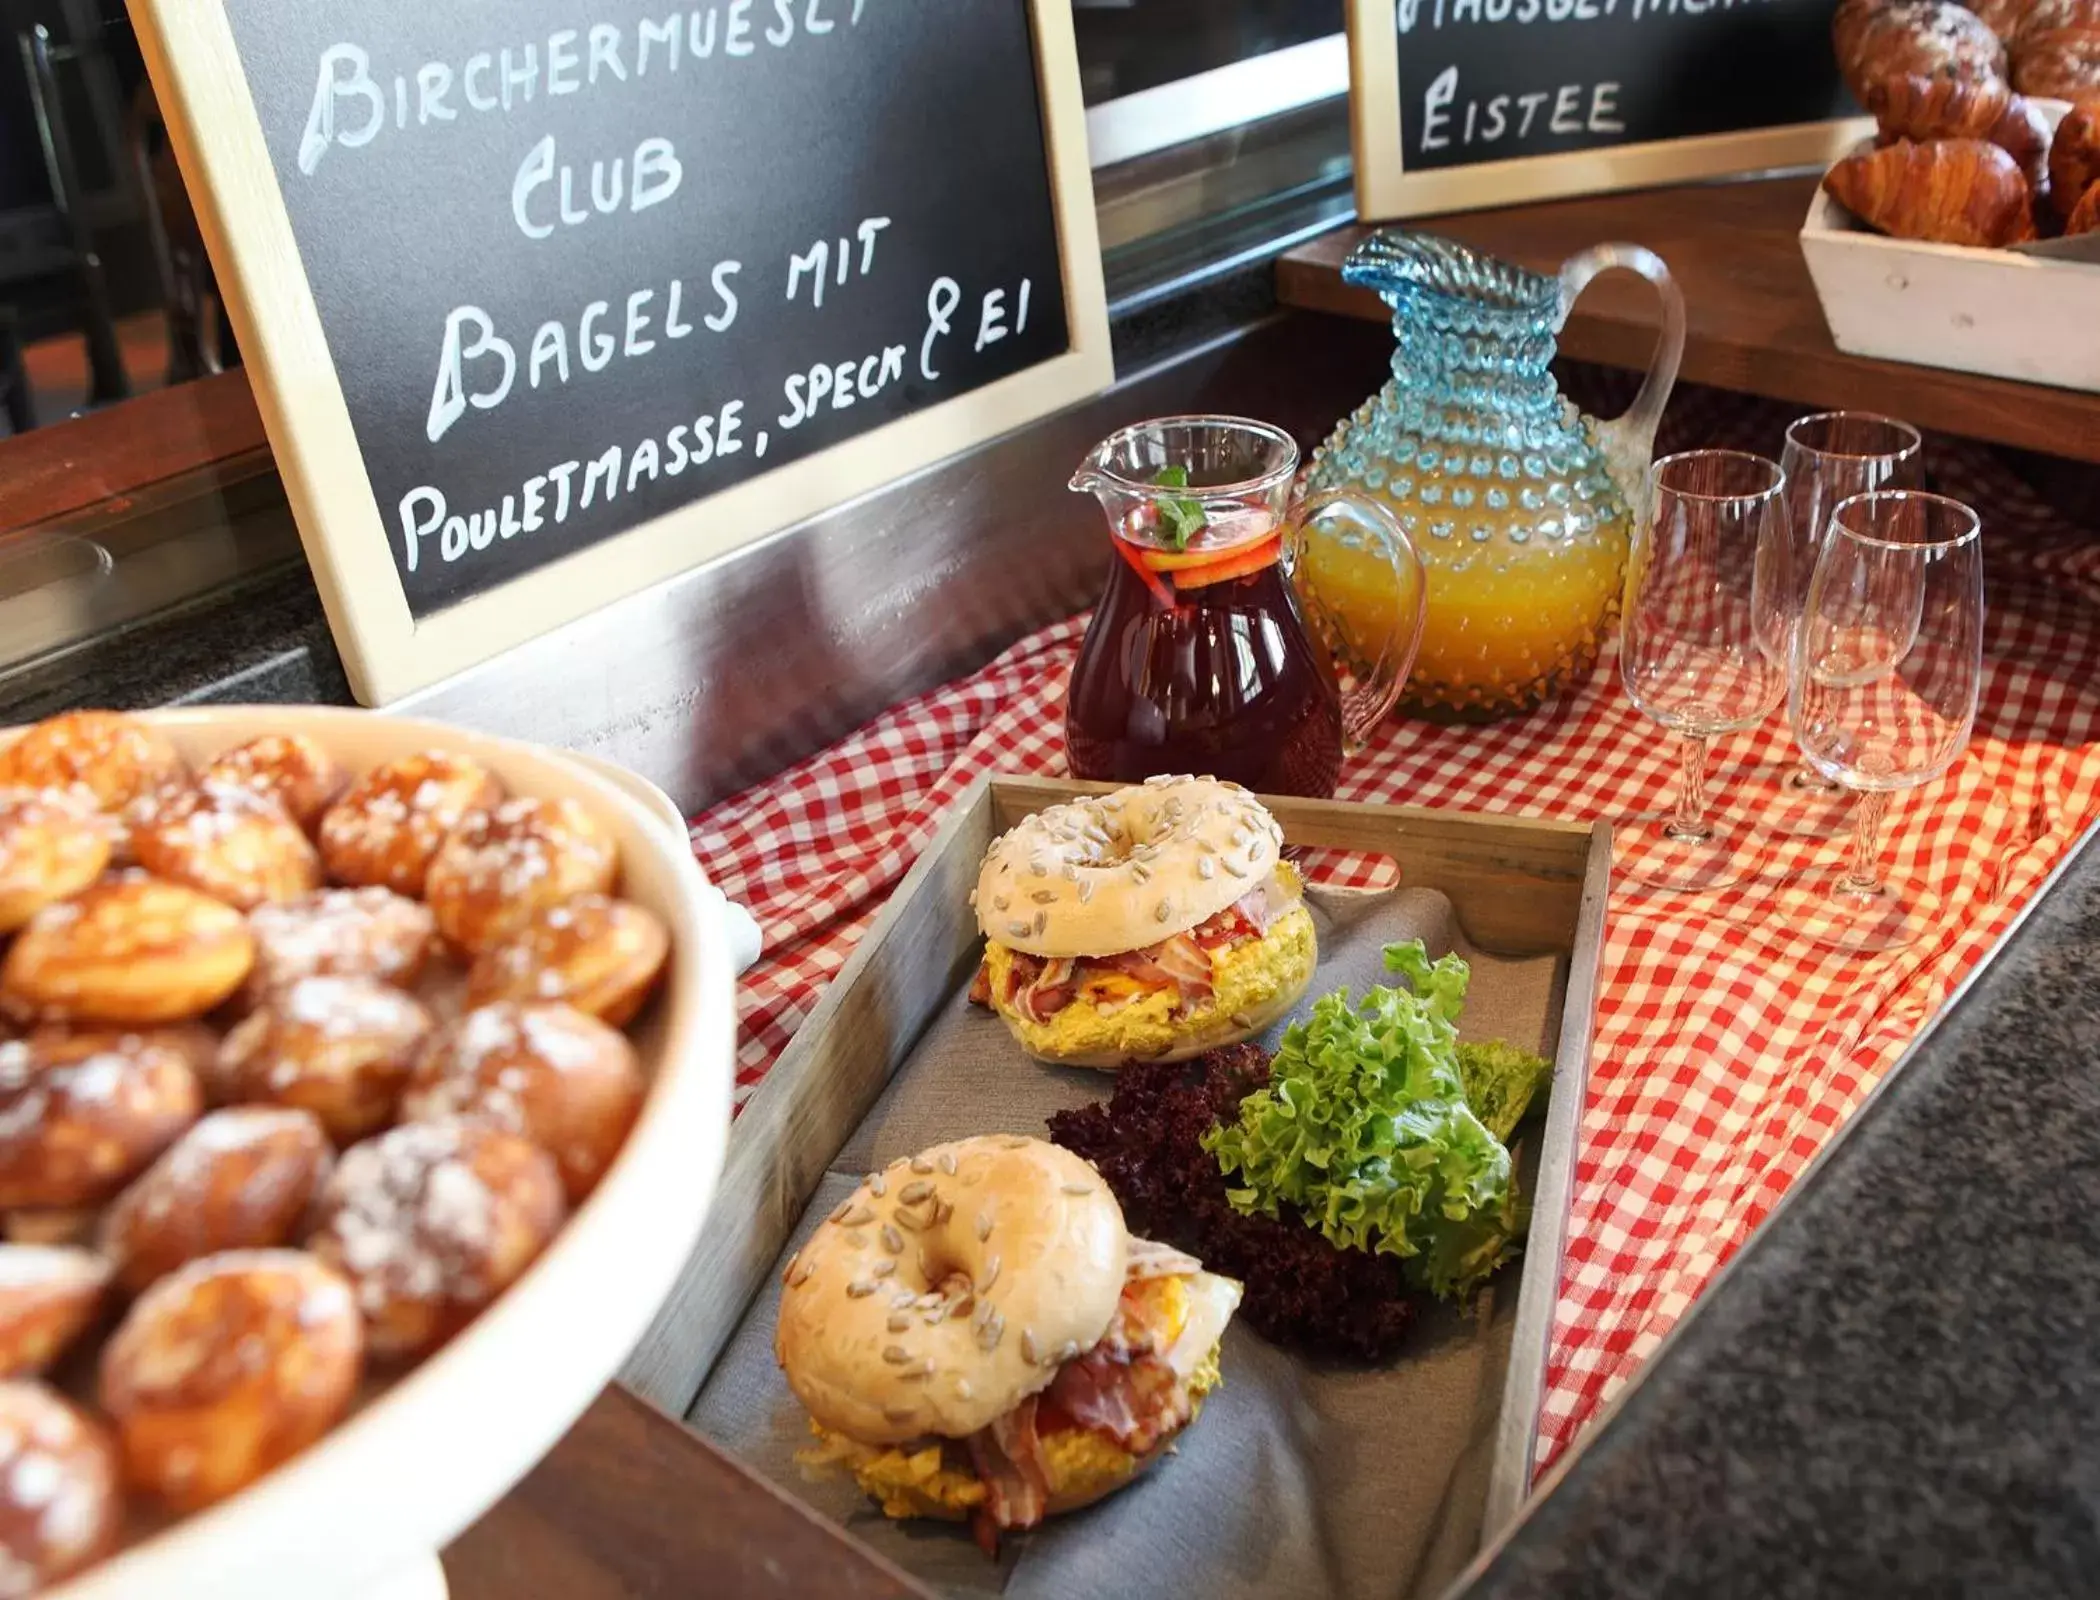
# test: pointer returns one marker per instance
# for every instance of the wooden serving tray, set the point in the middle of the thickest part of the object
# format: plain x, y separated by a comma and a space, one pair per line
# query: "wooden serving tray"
1519, 887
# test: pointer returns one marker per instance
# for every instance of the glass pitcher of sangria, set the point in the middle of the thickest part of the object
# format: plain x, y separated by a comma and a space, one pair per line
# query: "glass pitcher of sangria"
1202, 656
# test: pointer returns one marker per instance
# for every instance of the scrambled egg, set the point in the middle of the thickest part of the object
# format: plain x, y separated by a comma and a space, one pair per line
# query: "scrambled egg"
1078, 1462
1245, 977
934, 1479
1163, 1308
915, 1482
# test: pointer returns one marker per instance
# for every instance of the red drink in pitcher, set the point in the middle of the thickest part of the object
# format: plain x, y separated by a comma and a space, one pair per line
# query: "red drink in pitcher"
1199, 658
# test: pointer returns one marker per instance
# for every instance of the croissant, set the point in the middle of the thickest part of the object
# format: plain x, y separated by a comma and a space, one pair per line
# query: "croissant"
1911, 107
2067, 68
2085, 216
2074, 157
2046, 19
2056, 52
1876, 39
1951, 191
2002, 17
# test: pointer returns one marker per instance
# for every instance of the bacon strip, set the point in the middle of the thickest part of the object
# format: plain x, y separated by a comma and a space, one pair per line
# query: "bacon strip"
1136, 1403
1008, 1456
981, 985
1021, 970
1228, 927
1049, 992
1179, 963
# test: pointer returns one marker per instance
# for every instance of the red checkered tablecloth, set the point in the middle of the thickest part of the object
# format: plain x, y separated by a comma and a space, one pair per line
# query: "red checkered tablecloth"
1727, 1046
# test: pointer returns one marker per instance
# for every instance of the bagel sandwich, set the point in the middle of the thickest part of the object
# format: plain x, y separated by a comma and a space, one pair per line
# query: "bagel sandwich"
1018, 1355
1150, 924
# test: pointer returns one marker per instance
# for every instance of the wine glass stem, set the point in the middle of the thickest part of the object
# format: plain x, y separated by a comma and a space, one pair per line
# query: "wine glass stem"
1864, 875
1689, 824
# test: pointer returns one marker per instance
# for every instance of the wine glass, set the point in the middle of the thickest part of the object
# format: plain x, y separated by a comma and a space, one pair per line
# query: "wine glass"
1888, 665
1704, 645
1830, 457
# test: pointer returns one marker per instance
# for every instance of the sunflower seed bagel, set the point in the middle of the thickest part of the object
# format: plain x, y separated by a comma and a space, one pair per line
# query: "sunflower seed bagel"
949, 1287
1121, 871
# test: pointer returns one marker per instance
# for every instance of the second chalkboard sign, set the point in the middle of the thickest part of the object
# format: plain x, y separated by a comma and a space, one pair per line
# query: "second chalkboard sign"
545, 302
1465, 103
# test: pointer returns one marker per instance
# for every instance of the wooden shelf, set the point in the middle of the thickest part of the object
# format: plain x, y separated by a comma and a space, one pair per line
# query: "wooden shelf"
1755, 325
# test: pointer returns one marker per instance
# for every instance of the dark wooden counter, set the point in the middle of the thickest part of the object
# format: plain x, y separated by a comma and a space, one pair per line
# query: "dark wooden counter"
1755, 324
630, 1503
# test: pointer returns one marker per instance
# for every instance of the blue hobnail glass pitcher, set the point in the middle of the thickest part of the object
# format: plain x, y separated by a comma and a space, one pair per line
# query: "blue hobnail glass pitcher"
1520, 505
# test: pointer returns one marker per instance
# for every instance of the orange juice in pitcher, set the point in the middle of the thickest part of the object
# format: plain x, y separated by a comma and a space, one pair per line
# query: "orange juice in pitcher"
1520, 507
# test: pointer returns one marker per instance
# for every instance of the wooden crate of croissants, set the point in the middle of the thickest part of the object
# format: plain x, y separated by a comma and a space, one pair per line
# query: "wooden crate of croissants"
1969, 150
297, 1075
1987, 135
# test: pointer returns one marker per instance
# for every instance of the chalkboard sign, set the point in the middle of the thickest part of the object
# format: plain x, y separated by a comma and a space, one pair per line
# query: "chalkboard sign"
547, 301
1466, 103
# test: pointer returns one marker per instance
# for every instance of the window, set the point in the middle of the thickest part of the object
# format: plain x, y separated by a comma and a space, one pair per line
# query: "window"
1218, 127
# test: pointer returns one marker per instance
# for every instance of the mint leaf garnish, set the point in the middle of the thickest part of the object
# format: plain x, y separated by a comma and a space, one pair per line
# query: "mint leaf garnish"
1180, 519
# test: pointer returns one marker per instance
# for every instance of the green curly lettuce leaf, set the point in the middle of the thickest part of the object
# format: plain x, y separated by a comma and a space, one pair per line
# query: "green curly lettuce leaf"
1365, 1129
1500, 1081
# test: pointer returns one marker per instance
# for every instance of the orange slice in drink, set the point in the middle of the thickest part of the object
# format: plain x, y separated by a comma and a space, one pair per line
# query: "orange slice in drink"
1183, 560
1240, 563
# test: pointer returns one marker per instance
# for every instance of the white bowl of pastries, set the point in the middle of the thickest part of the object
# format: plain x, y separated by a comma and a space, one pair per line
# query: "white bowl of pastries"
363, 1085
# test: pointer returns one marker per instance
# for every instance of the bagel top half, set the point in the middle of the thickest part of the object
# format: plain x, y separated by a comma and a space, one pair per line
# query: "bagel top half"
933, 1301
1118, 872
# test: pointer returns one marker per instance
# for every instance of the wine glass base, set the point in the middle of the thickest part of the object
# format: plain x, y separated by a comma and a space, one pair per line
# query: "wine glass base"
1830, 914
1646, 855
1802, 806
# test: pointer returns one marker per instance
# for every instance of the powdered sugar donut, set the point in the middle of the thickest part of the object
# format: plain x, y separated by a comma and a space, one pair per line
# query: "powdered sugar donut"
599, 954
394, 819
128, 951
502, 865
338, 1047
110, 757
431, 1221
239, 1179
227, 1368
81, 1114
48, 1294
563, 1080
290, 768
59, 1505
52, 846
234, 844
347, 933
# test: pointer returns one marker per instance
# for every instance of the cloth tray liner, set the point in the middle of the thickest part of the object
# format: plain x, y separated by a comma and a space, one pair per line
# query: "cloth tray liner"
1299, 1478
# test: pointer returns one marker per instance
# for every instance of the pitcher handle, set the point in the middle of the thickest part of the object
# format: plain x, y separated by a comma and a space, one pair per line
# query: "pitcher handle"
1359, 522
1629, 440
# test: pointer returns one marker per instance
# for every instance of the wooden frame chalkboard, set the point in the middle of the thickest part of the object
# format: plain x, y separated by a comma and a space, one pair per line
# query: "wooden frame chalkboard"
394, 640
1388, 188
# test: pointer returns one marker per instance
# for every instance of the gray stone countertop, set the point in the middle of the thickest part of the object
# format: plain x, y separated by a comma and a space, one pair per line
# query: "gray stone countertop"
261, 641
1895, 1388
